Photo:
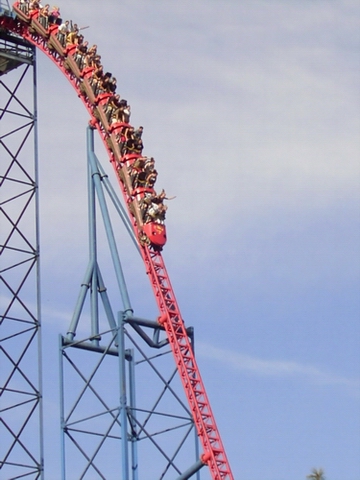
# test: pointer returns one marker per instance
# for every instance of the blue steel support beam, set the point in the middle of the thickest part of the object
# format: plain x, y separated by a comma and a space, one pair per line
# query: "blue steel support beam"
128, 311
132, 419
192, 470
106, 301
94, 307
118, 206
38, 279
62, 410
123, 399
80, 301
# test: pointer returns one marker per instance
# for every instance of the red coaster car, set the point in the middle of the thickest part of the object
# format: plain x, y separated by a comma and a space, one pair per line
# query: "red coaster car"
156, 233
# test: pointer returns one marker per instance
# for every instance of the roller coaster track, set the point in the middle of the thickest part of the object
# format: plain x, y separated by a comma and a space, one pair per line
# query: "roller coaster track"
170, 317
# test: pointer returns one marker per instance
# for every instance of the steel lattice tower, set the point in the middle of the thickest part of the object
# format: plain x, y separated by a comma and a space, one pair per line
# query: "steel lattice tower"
20, 342
118, 384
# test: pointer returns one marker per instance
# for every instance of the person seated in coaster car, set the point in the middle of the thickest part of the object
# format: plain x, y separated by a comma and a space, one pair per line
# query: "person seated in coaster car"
137, 134
138, 143
34, 5
139, 180
127, 146
90, 56
154, 210
149, 165
96, 78
108, 83
126, 113
151, 178
24, 6
80, 53
142, 172
122, 113
156, 213
135, 168
44, 16
73, 35
54, 16
112, 105
112, 85
143, 179
104, 83
63, 32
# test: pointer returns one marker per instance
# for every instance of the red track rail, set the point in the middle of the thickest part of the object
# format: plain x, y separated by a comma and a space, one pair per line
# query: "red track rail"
170, 318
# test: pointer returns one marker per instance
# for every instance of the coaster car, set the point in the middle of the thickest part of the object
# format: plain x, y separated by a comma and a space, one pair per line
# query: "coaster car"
36, 25
156, 233
53, 40
70, 62
86, 75
25, 17
116, 132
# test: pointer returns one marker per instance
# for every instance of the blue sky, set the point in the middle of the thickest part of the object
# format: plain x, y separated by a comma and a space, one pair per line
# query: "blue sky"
251, 110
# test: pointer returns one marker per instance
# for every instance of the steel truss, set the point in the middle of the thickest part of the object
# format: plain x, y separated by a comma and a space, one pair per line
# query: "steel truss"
21, 429
123, 407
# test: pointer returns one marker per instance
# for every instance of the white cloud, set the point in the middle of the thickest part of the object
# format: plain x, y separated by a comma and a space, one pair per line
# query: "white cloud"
279, 368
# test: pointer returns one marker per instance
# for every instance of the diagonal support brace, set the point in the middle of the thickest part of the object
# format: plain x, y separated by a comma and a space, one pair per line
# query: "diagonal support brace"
192, 470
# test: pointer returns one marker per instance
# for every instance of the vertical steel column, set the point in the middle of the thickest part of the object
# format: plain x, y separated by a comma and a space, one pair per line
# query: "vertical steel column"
107, 222
123, 398
132, 417
21, 410
62, 409
94, 307
37, 239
